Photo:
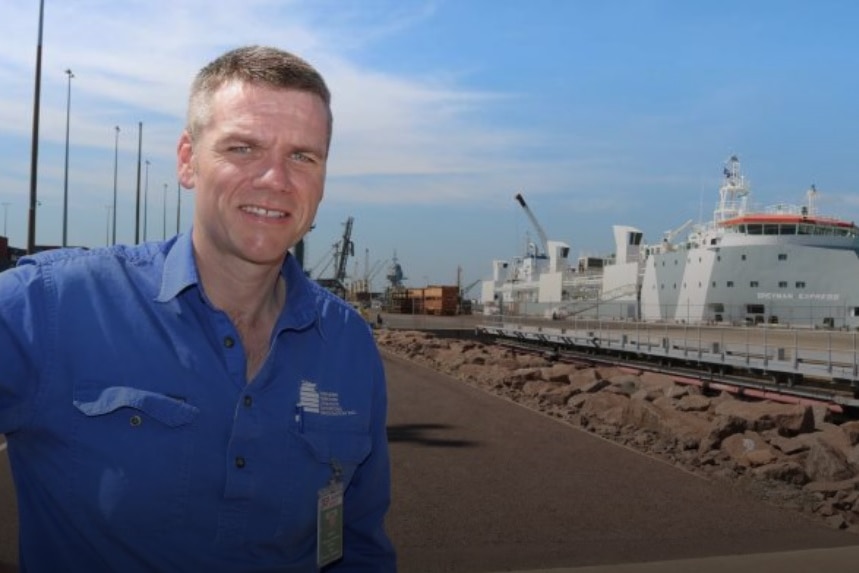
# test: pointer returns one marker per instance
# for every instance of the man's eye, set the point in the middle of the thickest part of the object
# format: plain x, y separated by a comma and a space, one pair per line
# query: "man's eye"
298, 156
241, 149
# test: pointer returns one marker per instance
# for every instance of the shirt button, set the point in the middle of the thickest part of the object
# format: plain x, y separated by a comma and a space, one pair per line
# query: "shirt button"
229, 342
248, 401
240, 462
135, 420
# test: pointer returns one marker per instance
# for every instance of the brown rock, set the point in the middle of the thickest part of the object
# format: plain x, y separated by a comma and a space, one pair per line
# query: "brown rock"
558, 372
604, 408
788, 446
749, 449
788, 419
693, 403
787, 471
824, 462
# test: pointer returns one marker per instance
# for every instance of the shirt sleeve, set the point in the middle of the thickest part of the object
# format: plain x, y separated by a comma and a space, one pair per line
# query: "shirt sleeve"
19, 291
366, 546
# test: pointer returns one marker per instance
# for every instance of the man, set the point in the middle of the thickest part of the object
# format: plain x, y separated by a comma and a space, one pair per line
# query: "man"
198, 404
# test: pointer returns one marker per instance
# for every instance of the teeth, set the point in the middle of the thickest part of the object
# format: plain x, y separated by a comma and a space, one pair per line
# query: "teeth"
263, 212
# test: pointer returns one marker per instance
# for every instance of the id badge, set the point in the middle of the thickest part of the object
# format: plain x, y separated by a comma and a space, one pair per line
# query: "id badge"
329, 524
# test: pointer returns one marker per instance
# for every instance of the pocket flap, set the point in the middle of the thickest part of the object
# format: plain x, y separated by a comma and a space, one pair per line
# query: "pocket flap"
97, 401
346, 447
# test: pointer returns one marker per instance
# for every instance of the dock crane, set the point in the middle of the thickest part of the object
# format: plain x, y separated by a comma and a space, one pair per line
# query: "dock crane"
345, 250
342, 251
544, 240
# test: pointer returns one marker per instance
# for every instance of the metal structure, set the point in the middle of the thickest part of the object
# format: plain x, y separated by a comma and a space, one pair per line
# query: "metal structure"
544, 239
346, 249
395, 273
66, 170
786, 357
341, 253
115, 175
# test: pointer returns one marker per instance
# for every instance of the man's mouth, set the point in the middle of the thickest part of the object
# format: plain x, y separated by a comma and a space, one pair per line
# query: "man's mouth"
263, 212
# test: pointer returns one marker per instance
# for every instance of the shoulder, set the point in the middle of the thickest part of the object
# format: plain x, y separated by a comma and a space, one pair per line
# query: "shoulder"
58, 267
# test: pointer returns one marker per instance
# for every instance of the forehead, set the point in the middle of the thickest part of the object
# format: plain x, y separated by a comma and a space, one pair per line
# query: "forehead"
237, 106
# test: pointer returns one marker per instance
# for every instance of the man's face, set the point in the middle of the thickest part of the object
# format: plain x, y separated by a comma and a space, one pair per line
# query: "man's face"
258, 169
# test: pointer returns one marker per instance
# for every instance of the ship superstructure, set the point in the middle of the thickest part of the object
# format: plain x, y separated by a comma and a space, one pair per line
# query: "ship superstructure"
784, 264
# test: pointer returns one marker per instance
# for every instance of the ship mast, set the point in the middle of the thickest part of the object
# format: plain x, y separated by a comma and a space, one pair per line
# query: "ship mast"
733, 193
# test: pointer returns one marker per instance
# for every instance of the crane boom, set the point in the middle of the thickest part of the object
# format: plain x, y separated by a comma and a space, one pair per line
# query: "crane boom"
544, 240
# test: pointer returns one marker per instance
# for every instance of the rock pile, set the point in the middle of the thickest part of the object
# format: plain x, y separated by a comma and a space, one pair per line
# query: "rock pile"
796, 456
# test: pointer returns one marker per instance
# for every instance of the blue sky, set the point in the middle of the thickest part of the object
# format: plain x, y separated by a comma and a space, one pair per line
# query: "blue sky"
599, 113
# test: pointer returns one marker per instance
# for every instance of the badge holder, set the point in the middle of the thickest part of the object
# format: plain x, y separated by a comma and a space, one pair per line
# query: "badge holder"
329, 519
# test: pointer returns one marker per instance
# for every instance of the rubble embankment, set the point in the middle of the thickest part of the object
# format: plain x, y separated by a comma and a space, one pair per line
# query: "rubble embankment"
795, 456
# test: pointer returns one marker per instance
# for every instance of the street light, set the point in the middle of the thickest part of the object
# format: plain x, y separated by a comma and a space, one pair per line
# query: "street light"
164, 222
66, 177
115, 165
145, 195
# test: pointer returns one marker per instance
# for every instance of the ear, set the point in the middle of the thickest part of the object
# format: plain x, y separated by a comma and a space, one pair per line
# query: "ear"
185, 159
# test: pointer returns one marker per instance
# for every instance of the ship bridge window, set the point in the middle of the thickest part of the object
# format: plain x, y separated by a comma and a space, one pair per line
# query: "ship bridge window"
782, 256
755, 229
753, 284
754, 309
806, 230
854, 311
741, 229
771, 229
730, 284
635, 238
782, 284
823, 230
788, 230
800, 284
742, 257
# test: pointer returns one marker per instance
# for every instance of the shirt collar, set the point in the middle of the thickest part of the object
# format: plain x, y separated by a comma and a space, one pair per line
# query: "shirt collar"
180, 272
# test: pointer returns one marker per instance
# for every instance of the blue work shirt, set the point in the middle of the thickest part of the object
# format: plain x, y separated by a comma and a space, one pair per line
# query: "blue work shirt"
137, 443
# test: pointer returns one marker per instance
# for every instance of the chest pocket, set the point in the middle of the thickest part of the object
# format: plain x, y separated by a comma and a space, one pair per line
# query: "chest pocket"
132, 451
345, 449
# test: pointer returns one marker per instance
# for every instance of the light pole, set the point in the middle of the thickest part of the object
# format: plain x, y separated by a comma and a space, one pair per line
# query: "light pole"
115, 167
145, 195
34, 150
5, 216
164, 222
108, 208
137, 188
66, 176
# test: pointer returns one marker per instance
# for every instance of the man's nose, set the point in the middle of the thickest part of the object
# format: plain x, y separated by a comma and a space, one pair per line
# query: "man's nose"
275, 174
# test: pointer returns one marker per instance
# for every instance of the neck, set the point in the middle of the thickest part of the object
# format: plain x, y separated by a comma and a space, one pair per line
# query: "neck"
250, 294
